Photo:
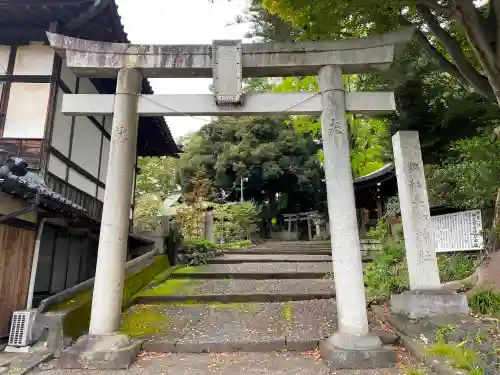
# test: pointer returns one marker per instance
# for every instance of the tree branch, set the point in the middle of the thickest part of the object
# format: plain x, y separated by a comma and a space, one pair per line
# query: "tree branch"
441, 10
462, 63
434, 54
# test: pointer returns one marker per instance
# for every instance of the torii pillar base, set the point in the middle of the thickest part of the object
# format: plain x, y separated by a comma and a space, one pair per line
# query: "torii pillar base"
342, 351
100, 352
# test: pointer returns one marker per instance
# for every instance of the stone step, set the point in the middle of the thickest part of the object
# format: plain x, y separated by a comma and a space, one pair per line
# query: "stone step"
234, 290
279, 251
255, 271
249, 327
269, 258
294, 246
273, 363
256, 255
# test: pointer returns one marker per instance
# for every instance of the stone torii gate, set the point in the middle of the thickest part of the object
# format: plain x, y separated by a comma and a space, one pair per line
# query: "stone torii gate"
228, 62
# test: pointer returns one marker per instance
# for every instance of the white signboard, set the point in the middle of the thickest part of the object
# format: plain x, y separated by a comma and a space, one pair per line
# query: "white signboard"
460, 231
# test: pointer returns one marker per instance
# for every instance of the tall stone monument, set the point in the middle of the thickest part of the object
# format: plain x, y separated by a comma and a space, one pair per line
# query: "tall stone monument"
426, 297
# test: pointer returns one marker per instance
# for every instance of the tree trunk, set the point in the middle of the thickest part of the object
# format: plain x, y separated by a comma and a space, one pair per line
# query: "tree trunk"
488, 272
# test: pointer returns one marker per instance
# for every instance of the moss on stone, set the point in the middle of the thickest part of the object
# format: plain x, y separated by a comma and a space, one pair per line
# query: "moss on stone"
288, 311
77, 319
167, 288
136, 282
144, 320
188, 270
77, 300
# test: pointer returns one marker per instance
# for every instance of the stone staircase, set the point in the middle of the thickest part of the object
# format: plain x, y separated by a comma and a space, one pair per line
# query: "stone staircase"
272, 297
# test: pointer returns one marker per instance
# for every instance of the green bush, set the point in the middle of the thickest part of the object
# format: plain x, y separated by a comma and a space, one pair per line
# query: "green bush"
237, 245
455, 266
236, 222
485, 302
198, 246
388, 273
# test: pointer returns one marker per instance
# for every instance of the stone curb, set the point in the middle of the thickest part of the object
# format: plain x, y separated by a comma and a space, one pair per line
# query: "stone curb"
231, 298
414, 347
250, 275
224, 347
27, 370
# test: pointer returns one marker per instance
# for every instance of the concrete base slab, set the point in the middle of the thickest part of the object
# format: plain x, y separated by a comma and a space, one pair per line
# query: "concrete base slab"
417, 304
16, 349
100, 352
354, 352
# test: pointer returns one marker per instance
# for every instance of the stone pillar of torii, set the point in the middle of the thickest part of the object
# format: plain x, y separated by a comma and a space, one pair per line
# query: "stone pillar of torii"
228, 62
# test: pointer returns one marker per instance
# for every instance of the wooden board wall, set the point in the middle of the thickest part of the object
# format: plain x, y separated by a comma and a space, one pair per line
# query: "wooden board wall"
16, 254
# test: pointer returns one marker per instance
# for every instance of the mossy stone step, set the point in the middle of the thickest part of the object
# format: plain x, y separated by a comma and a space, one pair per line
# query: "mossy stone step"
256, 271
250, 327
234, 290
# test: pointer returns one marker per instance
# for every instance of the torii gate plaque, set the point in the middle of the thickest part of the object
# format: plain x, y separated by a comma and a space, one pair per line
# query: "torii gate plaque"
228, 62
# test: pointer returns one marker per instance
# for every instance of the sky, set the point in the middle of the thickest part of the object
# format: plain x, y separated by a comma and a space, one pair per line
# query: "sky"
181, 22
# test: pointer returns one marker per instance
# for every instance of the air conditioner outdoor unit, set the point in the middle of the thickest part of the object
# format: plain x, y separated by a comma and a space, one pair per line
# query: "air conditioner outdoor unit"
23, 330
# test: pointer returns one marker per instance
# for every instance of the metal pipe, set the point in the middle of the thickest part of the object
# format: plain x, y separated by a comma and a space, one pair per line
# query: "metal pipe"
34, 265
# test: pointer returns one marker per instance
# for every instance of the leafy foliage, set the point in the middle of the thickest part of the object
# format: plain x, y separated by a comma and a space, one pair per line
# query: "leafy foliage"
388, 273
191, 218
269, 154
157, 175
485, 302
463, 46
155, 180
198, 246
147, 212
470, 175
236, 222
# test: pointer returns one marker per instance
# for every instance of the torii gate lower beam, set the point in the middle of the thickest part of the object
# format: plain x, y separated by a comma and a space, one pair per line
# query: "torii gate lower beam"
228, 62
265, 104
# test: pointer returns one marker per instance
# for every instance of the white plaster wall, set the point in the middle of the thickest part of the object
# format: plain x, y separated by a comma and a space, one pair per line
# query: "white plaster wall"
104, 160
86, 145
81, 182
34, 60
100, 194
68, 77
57, 167
27, 110
62, 128
4, 59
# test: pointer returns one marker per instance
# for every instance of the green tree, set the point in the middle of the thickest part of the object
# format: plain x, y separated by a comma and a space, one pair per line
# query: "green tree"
155, 180
460, 35
157, 175
369, 136
267, 152
469, 175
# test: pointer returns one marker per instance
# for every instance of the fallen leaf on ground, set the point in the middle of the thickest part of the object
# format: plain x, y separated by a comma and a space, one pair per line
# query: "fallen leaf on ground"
147, 356
315, 353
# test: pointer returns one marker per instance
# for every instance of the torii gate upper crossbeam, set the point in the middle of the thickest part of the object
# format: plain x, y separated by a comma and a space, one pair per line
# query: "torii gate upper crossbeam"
102, 59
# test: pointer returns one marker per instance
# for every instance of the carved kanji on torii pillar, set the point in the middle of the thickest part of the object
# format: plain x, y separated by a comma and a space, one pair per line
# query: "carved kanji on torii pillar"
228, 62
